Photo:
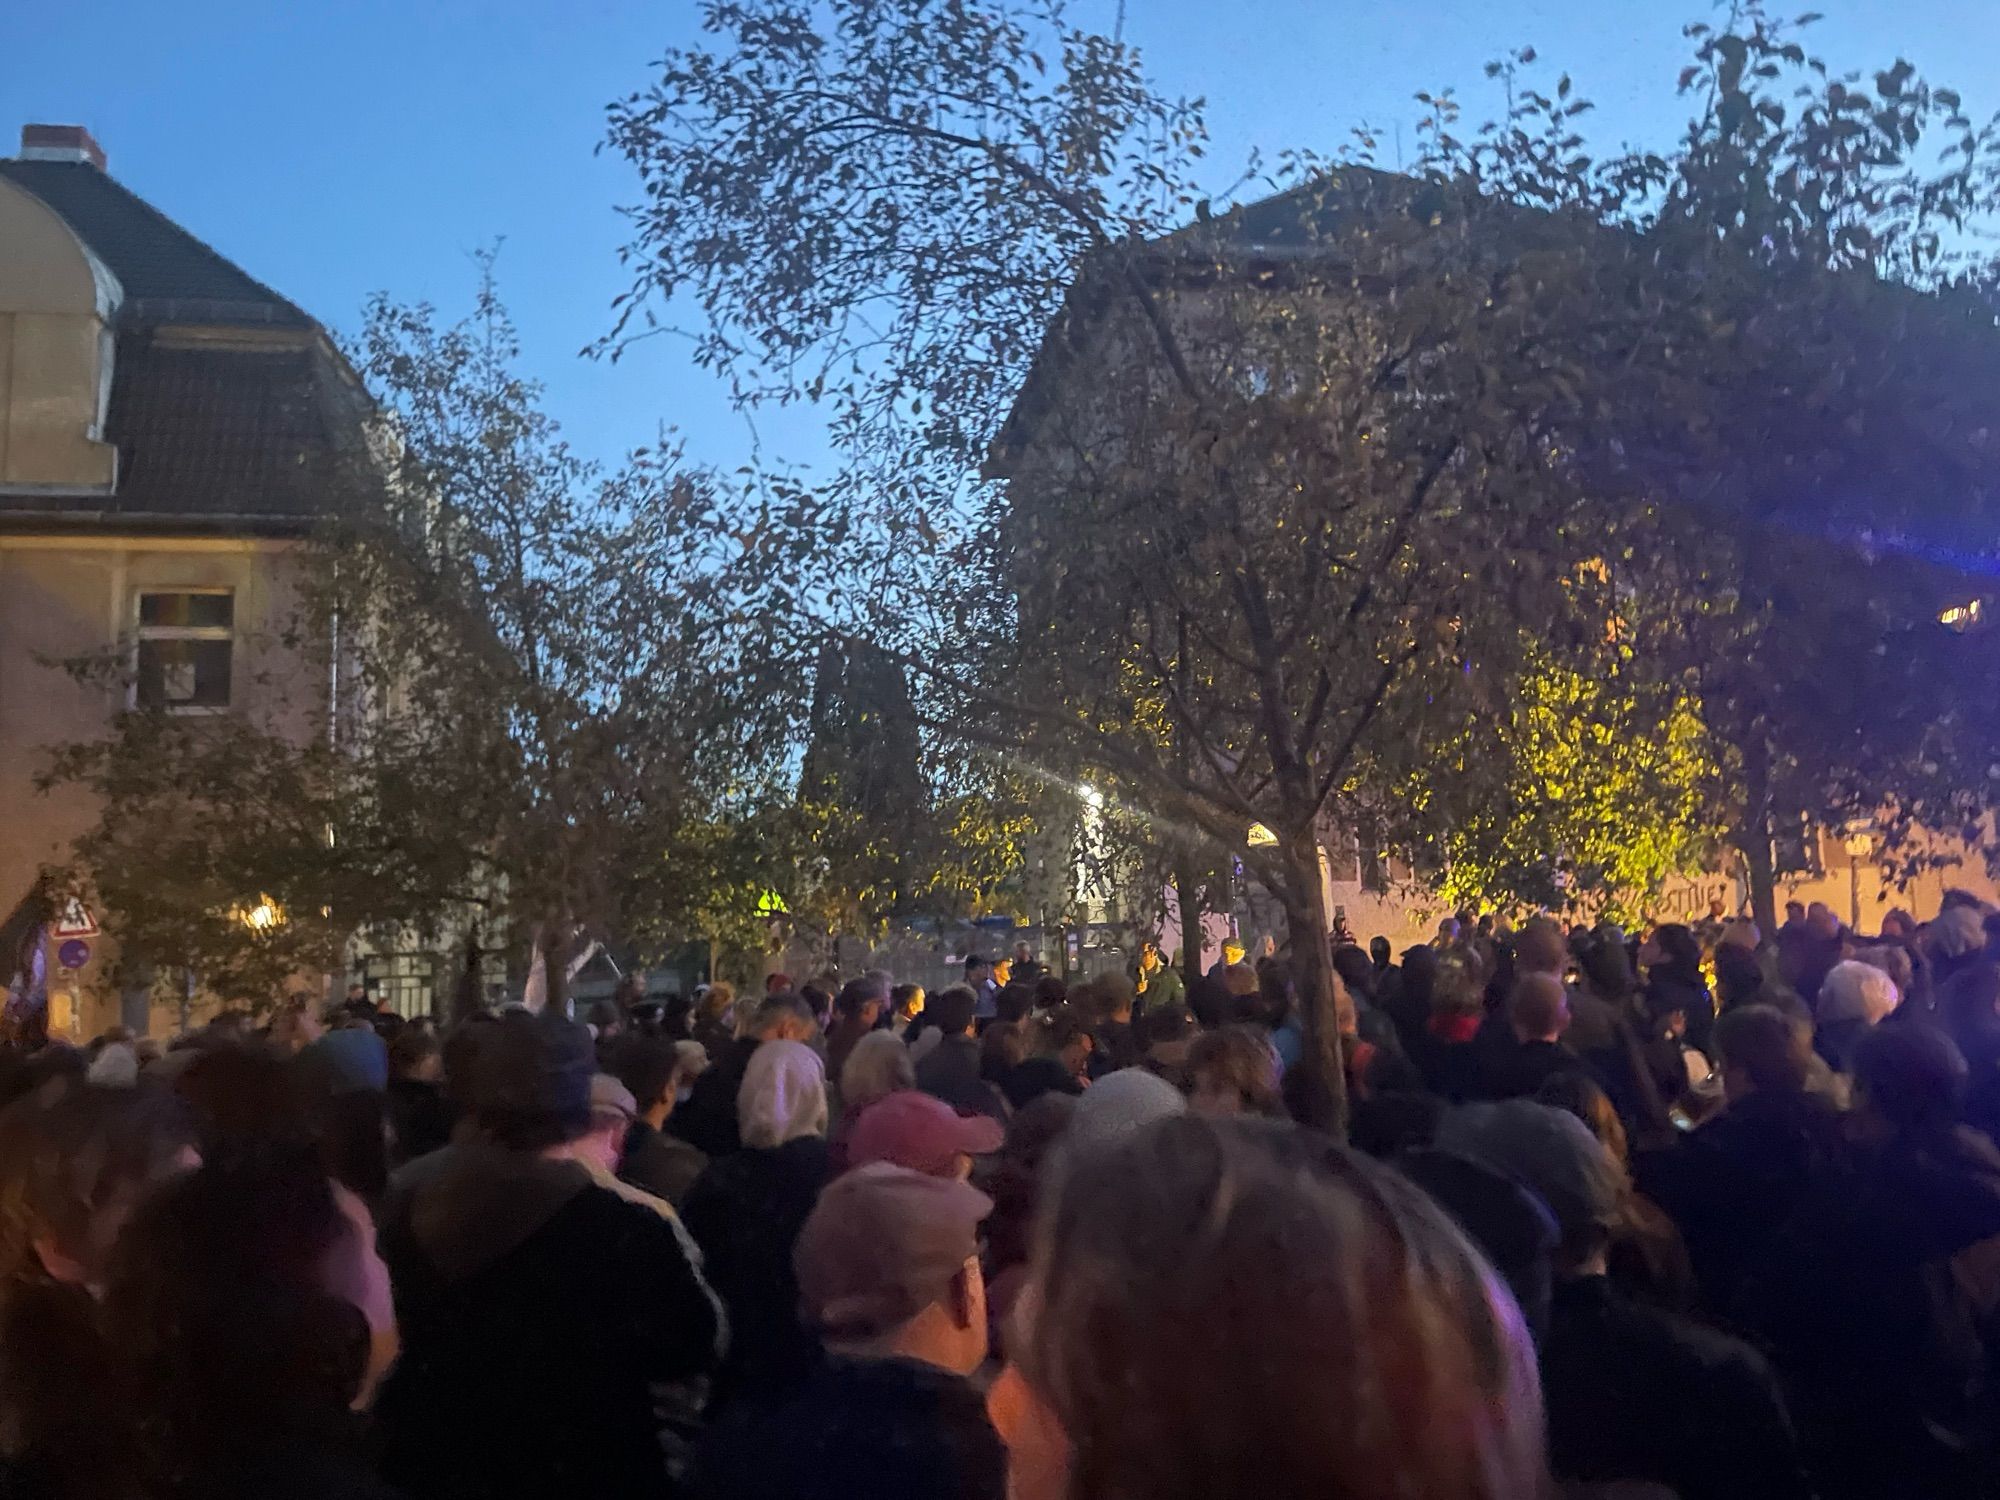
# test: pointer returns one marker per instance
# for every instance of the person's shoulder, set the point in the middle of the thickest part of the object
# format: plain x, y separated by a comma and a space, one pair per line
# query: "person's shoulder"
1666, 1340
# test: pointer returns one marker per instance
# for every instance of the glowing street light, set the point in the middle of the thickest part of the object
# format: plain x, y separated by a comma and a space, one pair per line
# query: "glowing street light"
262, 917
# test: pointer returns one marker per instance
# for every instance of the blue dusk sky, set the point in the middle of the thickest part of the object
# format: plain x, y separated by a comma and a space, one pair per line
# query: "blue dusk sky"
338, 147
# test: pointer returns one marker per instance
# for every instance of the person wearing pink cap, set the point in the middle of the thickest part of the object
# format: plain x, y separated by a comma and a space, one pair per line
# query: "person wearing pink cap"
912, 1129
888, 1276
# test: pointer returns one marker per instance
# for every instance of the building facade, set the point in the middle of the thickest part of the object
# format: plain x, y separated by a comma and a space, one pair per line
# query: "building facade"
167, 425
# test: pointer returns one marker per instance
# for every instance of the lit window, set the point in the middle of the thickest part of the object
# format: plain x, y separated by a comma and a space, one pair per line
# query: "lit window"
1962, 617
186, 641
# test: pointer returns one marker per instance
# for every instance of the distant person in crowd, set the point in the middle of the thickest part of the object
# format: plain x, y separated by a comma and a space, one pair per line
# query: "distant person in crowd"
655, 1070
1156, 982
708, 1120
1027, 968
878, 1066
1341, 1279
1409, 1007
1380, 955
1739, 970
1064, 1036
1233, 1072
1734, 1185
1114, 1041
979, 978
1853, 997
1233, 953
1003, 1047
1607, 1009
952, 1068
716, 1015
420, 1117
1675, 984
253, 1318
294, 1028
1447, 1051
518, 1376
1537, 1017
819, 1003
746, 1210
856, 1010
1956, 946
1169, 1037
1807, 950
1633, 1393
889, 1278
906, 1003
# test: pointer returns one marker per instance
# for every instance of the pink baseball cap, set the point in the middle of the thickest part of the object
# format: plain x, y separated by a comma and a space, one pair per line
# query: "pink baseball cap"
921, 1132
882, 1244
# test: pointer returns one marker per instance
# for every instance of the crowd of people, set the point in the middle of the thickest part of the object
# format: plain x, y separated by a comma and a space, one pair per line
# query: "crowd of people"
1700, 1212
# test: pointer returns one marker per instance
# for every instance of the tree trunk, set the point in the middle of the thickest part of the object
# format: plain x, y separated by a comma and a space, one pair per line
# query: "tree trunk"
555, 974
1319, 988
1754, 838
1756, 845
1188, 892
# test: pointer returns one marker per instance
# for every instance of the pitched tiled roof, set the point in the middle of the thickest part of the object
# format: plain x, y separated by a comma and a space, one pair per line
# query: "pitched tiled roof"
168, 275
229, 437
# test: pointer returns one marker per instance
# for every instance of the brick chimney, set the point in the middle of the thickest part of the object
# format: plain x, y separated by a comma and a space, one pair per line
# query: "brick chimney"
60, 143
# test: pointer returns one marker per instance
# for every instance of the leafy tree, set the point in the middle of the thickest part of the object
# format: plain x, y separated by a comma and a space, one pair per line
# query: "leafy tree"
552, 718
1252, 549
1608, 798
1809, 422
1293, 498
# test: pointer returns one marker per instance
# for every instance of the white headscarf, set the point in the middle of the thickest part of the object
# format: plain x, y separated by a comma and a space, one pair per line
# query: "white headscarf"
783, 1096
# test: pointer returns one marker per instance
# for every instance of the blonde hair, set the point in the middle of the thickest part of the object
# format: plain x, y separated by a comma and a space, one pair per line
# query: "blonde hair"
1229, 1308
878, 1065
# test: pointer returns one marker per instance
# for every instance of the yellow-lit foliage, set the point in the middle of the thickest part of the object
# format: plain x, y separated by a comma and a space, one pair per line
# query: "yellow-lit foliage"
1607, 798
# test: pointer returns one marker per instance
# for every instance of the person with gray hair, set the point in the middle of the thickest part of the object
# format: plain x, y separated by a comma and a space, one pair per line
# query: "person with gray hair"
878, 1066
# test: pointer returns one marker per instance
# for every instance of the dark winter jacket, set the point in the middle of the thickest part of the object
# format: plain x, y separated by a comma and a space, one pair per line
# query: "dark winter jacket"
746, 1212
1516, 1070
708, 1120
953, 1071
1736, 1185
856, 1430
1639, 1394
537, 1311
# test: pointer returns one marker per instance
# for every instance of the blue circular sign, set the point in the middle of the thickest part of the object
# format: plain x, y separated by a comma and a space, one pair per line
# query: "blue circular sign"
73, 954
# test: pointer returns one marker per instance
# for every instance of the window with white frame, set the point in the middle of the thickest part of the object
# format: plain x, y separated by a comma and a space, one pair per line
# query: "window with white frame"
186, 639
